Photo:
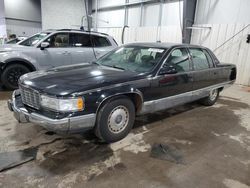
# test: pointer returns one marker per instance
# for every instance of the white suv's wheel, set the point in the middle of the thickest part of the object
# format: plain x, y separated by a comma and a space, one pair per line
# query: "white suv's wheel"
11, 74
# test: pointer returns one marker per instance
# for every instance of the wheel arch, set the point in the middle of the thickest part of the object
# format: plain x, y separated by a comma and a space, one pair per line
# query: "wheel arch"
135, 96
24, 62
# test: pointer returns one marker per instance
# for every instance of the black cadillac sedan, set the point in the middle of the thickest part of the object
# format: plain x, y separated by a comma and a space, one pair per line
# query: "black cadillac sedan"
106, 95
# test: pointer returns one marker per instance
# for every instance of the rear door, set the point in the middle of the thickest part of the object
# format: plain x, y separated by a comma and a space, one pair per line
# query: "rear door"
81, 48
217, 74
202, 70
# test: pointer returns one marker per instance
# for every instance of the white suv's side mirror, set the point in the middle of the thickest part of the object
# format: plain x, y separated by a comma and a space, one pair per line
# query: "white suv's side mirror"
44, 45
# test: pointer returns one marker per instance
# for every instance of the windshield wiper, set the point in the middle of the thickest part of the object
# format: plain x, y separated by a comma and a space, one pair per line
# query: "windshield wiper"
114, 66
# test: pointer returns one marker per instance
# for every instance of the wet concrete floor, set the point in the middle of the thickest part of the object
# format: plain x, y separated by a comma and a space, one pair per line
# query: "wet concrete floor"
214, 144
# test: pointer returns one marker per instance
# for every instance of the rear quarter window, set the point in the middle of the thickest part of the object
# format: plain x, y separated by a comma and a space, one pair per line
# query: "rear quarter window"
209, 58
100, 41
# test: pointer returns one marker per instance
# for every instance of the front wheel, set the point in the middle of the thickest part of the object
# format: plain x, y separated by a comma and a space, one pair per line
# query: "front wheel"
11, 74
212, 98
115, 119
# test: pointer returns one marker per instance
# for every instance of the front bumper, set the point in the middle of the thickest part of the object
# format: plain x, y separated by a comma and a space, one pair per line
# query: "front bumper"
66, 125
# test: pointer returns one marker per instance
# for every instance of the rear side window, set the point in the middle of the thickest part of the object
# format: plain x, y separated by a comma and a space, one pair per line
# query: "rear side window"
79, 40
100, 41
200, 61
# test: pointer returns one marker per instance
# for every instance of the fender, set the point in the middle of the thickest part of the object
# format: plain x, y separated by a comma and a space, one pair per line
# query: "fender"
123, 90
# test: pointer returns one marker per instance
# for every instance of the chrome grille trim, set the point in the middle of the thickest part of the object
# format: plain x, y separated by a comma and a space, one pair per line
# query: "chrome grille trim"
30, 97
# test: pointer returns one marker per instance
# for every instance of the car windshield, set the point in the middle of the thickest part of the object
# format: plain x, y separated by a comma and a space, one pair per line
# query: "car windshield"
32, 41
133, 58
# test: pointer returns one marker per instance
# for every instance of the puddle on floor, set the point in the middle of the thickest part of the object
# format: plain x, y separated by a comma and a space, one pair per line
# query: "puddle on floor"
168, 153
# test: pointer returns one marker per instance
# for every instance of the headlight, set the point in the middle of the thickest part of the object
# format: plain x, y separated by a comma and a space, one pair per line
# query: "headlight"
63, 105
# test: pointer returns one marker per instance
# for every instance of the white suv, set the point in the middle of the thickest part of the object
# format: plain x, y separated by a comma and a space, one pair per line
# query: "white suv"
50, 49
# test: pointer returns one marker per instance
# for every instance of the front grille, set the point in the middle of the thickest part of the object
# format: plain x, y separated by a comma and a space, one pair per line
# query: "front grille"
30, 97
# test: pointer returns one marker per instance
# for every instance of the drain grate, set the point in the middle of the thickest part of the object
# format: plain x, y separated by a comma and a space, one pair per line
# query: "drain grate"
167, 152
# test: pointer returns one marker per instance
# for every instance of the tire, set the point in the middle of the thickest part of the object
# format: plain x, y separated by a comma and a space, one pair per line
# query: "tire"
212, 98
115, 119
11, 74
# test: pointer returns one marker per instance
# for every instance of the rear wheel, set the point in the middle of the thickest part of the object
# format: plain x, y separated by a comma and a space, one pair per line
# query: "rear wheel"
11, 74
212, 98
115, 119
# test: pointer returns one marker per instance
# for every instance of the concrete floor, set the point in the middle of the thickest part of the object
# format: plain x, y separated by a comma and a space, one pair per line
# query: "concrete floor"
214, 144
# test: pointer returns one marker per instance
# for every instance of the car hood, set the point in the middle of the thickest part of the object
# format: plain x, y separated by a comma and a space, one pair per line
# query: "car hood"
12, 47
64, 81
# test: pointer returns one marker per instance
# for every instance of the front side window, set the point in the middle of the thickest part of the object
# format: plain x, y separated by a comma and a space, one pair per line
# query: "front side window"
133, 58
179, 59
200, 61
58, 40
32, 41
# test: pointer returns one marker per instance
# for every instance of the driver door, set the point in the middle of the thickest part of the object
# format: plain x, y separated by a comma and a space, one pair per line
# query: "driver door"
58, 52
174, 79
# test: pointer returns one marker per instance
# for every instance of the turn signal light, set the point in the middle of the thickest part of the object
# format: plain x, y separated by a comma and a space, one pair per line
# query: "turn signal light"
80, 104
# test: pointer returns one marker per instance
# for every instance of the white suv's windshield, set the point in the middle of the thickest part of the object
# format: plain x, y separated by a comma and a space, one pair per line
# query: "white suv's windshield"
133, 58
32, 41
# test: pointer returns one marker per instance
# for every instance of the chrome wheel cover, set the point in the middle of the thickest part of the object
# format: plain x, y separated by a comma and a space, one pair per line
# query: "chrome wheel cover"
213, 94
118, 119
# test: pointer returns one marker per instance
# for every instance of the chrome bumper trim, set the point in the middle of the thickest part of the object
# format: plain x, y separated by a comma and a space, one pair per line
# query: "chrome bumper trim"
69, 124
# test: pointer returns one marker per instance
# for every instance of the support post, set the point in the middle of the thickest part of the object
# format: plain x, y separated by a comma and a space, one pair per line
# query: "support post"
189, 7
89, 11
126, 14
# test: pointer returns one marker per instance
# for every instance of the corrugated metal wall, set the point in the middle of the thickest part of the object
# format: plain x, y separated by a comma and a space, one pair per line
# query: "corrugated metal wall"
226, 18
146, 22
145, 34
60, 14
22, 17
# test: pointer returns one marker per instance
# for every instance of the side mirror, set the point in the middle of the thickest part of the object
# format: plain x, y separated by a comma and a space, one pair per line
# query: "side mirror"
168, 70
44, 45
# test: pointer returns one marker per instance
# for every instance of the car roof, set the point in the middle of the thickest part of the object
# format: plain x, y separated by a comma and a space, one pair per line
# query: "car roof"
76, 31
162, 45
